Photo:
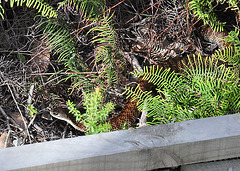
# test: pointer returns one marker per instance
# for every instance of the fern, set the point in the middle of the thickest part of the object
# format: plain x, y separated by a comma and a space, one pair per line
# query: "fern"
1, 11
56, 35
231, 54
106, 51
234, 4
203, 9
139, 95
105, 59
203, 89
79, 80
45, 9
106, 33
58, 38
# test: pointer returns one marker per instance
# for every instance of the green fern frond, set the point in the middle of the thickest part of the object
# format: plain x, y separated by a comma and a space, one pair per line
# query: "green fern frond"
234, 4
211, 82
158, 76
79, 80
45, 9
203, 10
1, 11
200, 8
231, 54
106, 50
58, 38
106, 56
105, 31
225, 54
234, 98
92, 8
56, 35
137, 94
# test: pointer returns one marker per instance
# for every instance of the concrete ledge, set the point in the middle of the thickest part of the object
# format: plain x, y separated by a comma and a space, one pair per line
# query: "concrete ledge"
225, 165
147, 148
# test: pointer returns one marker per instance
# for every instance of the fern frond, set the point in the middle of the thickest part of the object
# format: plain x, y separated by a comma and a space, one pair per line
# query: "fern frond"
203, 10
225, 55
137, 94
231, 54
58, 38
105, 57
105, 31
45, 9
234, 4
210, 82
234, 97
158, 76
106, 51
56, 35
1, 11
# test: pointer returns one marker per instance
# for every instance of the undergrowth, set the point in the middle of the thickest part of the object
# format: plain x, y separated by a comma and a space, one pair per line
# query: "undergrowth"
201, 90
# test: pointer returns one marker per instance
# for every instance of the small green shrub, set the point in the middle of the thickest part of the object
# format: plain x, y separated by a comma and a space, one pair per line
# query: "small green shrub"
96, 112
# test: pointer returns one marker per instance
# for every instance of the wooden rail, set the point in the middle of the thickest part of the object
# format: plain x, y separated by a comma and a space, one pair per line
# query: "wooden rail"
147, 148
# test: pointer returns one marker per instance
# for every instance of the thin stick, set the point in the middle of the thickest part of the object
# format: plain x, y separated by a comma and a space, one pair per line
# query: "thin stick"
6, 116
143, 11
65, 73
6, 141
25, 125
29, 100
30, 123
171, 23
114, 6
8, 125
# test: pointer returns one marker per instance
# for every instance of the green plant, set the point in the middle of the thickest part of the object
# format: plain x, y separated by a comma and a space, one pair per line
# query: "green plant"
202, 89
1, 11
230, 54
106, 50
45, 9
58, 38
96, 112
203, 9
56, 35
32, 111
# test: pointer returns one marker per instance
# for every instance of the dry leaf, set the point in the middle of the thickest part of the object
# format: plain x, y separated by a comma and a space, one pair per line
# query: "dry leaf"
18, 119
3, 140
40, 56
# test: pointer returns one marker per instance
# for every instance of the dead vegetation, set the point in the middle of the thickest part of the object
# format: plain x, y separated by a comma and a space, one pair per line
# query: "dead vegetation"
148, 32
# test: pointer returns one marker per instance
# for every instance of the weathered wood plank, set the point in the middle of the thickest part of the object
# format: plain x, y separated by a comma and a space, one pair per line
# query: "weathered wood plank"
146, 148
226, 165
